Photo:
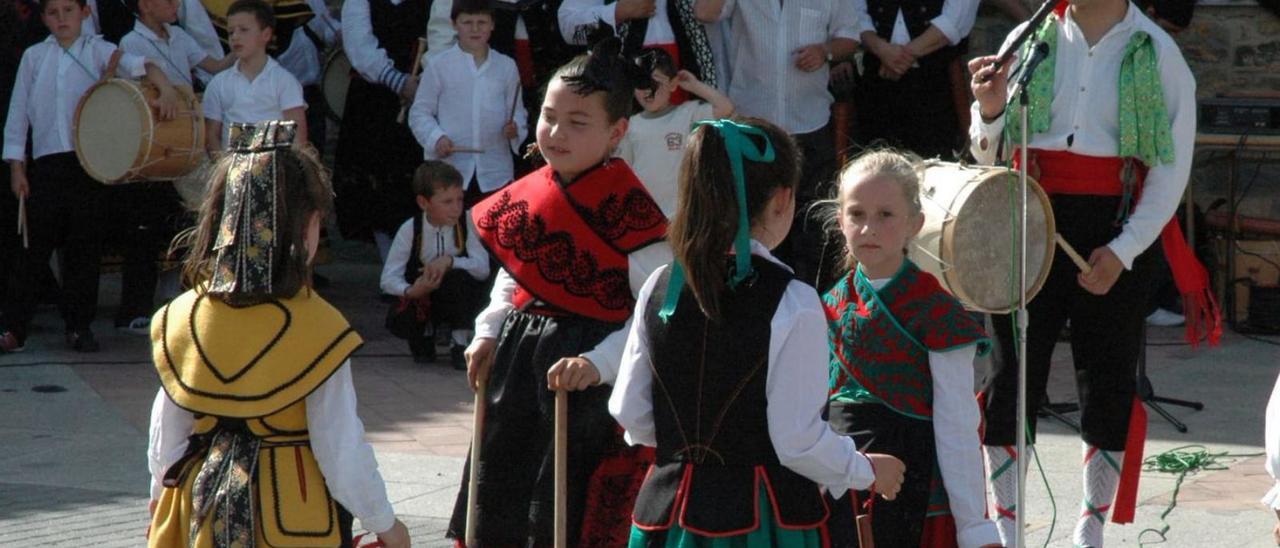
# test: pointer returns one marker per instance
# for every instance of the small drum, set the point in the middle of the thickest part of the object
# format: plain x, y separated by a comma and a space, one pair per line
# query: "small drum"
969, 235
334, 83
119, 138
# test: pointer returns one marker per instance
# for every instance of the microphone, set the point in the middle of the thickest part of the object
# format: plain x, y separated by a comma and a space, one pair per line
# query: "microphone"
1039, 52
1032, 24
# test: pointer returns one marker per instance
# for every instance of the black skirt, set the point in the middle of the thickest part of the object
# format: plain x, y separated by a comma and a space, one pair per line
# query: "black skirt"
898, 522
517, 467
374, 163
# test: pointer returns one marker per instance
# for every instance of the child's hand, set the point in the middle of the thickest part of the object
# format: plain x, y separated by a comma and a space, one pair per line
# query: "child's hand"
687, 81
440, 265
811, 57
571, 374
427, 281
444, 147
167, 103
889, 473
18, 183
510, 130
479, 359
897, 59
409, 90
395, 537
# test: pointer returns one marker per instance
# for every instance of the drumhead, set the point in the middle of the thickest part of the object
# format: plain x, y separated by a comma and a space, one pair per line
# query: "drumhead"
972, 227
109, 133
336, 80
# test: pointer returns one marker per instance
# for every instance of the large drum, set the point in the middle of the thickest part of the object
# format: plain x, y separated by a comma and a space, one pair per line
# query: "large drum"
972, 217
334, 83
119, 138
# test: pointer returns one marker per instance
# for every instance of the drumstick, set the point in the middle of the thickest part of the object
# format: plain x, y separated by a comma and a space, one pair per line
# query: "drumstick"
417, 63
22, 221
562, 467
473, 482
515, 96
1071, 252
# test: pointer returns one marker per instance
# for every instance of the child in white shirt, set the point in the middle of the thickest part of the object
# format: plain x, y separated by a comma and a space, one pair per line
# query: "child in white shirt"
468, 110
655, 139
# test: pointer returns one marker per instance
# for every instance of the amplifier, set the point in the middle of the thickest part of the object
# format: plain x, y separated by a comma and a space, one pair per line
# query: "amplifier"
1239, 115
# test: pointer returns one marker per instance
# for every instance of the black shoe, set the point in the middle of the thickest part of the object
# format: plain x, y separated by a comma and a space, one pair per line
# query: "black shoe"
423, 349
458, 357
82, 341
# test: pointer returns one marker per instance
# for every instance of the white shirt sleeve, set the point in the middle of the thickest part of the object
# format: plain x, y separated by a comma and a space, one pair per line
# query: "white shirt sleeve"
1272, 443
1165, 182
166, 438
362, 48
844, 21
955, 433
631, 403
440, 33
476, 263
346, 460
574, 14
289, 91
489, 321
426, 105
956, 19
984, 138
392, 280
798, 360
323, 24
17, 122
131, 66
195, 20
642, 262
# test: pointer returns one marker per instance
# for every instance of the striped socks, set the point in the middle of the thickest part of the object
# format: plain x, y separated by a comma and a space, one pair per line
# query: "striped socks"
1101, 476
1002, 470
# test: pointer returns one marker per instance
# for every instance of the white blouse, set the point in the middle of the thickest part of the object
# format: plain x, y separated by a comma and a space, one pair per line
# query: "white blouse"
346, 460
1272, 442
1085, 112
798, 362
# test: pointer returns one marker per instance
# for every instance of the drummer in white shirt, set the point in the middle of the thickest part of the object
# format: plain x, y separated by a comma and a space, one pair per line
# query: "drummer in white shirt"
468, 109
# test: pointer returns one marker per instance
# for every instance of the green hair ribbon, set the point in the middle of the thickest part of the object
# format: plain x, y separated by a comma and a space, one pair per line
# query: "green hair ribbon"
738, 145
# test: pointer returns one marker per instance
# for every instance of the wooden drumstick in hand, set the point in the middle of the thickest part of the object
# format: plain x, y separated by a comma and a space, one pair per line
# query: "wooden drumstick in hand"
417, 64
22, 221
560, 539
1082, 264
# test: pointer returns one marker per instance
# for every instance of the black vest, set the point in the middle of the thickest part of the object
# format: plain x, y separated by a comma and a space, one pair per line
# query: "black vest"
115, 19
398, 28
709, 408
917, 14
548, 47
414, 264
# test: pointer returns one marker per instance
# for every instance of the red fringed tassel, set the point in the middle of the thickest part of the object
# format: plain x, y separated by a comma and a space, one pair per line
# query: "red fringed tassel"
1198, 305
1127, 492
611, 495
939, 532
524, 62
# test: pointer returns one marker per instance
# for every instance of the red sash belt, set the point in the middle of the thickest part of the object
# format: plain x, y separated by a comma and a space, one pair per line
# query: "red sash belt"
1061, 172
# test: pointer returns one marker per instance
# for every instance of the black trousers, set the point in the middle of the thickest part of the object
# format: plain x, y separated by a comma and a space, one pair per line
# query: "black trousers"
803, 248
916, 112
64, 212
142, 220
317, 120
1106, 333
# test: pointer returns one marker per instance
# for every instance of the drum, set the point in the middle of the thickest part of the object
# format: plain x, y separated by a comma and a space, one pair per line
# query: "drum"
968, 240
119, 138
334, 83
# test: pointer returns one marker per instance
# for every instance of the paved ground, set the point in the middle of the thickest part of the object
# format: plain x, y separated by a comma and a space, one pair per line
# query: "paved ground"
73, 438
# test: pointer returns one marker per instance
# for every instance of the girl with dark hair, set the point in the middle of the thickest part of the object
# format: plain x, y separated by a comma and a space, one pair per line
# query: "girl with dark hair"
575, 240
256, 393
725, 368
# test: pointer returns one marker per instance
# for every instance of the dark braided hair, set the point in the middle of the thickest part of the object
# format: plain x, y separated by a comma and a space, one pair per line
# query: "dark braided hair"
605, 69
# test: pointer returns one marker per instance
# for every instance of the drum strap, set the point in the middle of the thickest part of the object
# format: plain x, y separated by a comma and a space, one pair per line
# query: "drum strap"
168, 59
73, 57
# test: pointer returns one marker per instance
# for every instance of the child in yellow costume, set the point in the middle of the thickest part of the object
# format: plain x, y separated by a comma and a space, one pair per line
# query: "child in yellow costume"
254, 435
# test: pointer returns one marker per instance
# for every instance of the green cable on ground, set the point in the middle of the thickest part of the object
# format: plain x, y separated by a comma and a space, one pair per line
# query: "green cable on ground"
1182, 462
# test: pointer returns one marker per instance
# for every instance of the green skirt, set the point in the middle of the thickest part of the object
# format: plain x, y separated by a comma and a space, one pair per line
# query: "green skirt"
768, 535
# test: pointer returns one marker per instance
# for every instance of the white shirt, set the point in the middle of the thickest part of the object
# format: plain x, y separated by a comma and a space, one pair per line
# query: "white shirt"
1272, 443
232, 98
608, 354
765, 35
346, 460
654, 147
370, 58
1085, 104
175, 56
955, 434
49, 85
574, 14
437, 241
302, 59
796, 389
955, 22
470, 105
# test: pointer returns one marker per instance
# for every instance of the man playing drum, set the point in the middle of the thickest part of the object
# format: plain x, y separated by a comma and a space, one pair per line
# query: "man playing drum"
1112, 104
